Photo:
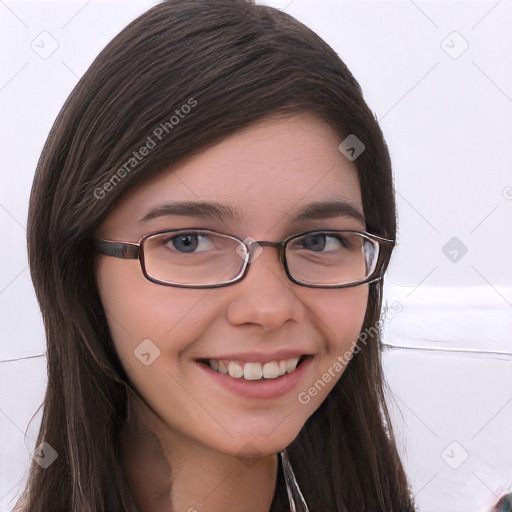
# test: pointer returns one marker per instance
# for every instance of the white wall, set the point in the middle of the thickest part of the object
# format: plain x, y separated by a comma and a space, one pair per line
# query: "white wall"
446, 114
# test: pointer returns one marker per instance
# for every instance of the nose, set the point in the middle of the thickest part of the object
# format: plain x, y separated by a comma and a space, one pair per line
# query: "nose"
265, 296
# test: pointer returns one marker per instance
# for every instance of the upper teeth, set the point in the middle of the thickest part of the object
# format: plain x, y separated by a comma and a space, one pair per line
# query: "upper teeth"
254, 370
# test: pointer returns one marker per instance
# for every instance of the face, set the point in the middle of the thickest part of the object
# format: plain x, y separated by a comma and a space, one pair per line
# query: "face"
267, 174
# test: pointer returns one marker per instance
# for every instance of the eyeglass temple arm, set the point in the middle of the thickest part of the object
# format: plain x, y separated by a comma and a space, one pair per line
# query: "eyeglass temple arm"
124, 250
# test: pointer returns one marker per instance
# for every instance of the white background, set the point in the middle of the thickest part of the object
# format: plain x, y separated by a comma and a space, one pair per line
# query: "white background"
446, 115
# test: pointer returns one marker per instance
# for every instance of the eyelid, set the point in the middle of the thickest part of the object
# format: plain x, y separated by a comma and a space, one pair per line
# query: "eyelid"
306, 229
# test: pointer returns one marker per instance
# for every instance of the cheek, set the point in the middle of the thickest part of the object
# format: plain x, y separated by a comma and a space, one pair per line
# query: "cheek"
139, 310
344, 312
340, 319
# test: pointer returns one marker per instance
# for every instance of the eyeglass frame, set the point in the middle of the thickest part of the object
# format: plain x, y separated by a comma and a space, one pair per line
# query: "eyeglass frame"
135, 250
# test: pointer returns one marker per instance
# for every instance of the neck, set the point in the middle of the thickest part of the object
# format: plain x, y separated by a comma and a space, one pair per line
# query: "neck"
169, 472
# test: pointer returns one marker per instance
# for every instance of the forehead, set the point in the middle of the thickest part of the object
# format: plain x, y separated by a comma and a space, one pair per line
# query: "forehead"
264, 172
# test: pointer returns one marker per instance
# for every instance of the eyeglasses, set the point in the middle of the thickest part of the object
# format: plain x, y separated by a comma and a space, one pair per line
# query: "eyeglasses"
201, 258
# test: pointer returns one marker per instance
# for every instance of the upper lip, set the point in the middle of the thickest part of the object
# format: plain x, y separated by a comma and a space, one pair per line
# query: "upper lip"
257, 357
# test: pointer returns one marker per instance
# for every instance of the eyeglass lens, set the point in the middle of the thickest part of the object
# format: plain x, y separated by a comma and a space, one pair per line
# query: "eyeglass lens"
205, 257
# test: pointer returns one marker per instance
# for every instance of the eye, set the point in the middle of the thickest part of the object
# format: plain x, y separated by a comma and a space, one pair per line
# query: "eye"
190, 242
322, 241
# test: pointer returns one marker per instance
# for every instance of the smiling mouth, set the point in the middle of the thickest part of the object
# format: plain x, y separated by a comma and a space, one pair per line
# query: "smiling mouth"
253, 370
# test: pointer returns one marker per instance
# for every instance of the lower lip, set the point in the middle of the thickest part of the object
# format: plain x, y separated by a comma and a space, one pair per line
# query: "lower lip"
264, 388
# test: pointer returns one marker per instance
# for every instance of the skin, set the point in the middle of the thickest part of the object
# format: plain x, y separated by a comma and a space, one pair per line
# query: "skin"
183, 419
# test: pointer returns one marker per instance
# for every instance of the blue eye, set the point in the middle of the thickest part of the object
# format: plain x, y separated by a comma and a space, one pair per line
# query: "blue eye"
185, 243
190, 243
321, 241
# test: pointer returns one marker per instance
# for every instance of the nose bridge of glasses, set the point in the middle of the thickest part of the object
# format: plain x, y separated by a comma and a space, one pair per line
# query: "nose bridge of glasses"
255, 248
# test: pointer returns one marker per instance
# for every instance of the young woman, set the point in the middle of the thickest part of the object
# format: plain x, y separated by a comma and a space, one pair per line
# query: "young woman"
209, 226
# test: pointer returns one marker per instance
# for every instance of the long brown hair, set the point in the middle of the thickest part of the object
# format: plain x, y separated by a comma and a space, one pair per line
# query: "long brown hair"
233, 63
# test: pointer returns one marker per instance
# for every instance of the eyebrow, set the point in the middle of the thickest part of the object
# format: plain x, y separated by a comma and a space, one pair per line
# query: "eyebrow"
316, 210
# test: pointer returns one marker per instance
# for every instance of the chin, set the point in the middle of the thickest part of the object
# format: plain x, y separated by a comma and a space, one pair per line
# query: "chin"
258, 445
